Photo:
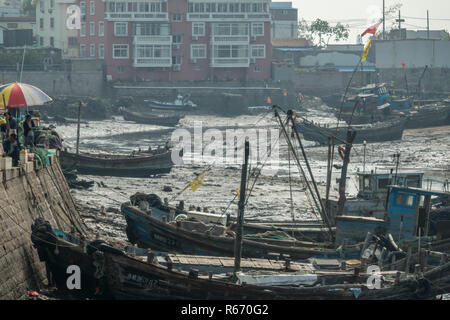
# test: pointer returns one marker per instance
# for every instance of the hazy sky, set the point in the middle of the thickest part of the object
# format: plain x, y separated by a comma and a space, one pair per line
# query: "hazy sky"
359, 14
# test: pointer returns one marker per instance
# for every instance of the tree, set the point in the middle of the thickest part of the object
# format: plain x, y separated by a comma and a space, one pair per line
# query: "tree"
29, 7
320, 32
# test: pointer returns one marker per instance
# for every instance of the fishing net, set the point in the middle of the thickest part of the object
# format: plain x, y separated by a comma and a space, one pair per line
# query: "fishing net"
277, 235
41, 155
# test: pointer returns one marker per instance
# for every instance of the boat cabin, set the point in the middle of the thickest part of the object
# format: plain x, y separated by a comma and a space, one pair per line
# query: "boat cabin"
375, 185
409, 212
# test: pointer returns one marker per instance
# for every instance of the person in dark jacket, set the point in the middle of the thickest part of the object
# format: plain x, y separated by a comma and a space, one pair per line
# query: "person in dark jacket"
12, 124
28, 127
12, 148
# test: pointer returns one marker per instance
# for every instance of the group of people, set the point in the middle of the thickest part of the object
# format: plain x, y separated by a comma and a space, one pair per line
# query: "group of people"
9, 131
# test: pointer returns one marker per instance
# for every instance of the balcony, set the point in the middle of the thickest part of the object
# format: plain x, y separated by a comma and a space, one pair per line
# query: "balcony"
230, 39
153, 62
230, 62
167, 40
228, 16
136, 16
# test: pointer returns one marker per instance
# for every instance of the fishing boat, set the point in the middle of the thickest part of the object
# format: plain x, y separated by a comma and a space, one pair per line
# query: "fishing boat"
157, 119
112, 273
133, 165
181, 103
196, 237
377, 132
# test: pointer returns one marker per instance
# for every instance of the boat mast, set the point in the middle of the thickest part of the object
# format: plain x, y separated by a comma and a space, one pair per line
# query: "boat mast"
78, 127
323, 211
240, 218
342, 183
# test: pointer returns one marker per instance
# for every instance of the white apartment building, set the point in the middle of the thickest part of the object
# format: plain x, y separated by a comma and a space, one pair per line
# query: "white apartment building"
51, 28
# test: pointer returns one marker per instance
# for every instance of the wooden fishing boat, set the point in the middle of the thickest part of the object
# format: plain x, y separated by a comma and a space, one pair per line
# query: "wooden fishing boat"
134, 165
378, 132
108, 272
428, 116
158, 119
193, 237
180, 103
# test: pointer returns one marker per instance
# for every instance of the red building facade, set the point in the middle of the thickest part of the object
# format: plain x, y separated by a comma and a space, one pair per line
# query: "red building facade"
178, 40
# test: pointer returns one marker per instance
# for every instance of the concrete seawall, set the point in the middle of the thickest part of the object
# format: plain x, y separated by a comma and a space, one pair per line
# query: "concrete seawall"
27, 193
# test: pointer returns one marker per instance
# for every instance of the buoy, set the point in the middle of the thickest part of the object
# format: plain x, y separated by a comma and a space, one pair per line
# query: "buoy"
269, 100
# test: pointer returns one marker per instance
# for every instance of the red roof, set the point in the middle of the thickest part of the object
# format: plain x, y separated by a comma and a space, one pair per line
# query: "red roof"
290, 43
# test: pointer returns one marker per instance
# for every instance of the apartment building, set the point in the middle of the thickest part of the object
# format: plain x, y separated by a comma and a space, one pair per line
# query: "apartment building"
178, 40
284, 20
51, 27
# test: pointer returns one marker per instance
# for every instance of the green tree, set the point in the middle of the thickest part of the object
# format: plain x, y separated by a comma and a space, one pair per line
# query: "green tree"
29, 7
320, 32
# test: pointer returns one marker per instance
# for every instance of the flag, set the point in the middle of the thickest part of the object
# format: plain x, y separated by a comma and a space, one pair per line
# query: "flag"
372, 29
197, 182
403, 64
366, 50
238, 191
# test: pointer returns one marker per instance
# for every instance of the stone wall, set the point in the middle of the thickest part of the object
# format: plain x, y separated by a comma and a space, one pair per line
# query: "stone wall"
61, 83
27, 194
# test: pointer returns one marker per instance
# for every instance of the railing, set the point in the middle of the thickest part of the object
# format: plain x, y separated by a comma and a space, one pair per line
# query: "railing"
230, 62
227, 39
153, 40
228, 16
153, 62
159, 16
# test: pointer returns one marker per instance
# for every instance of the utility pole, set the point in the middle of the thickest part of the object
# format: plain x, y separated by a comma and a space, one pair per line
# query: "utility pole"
384, 21
400, 20
428, 24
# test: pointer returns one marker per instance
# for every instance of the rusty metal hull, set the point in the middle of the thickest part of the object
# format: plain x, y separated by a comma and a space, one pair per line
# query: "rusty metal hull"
141, 165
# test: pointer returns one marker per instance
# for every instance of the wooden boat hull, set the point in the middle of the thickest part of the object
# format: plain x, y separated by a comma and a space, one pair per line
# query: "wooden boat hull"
154, 119
390, 132
428, 118
138, 166
108, 272
150, 232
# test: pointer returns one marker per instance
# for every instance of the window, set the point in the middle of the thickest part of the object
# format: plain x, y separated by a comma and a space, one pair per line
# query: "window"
92, 50
409, 201
101, 50
42, 5
176, 60
73, 41
177, 38
231, 51
83, 50
41, 41
101, 29
198, 28
92, 28
83, 29
83, 8
121, 29
257, 29
120, 51
399, 201
153, 51
383, 183
259, 51
52, 42
198, 51
52, 23
121, 69
41, 23
231, 29
52, 3
177, 17
92, 8
151, 29
257, 69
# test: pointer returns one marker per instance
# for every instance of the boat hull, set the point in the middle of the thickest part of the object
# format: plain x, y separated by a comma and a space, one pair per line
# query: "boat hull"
150, 232
145, 118
139, 166
375, 134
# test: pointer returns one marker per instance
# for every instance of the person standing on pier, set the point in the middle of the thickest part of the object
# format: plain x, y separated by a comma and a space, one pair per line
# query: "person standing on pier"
12, 148
28, 127
11, 124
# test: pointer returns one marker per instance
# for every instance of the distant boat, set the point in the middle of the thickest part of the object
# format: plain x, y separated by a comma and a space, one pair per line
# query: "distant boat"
152, 118
134, 165
377, 132
180, 103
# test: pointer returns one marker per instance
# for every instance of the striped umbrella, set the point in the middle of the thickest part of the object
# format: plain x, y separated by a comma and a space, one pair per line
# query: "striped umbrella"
16, 95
